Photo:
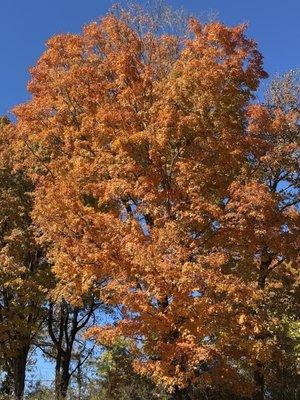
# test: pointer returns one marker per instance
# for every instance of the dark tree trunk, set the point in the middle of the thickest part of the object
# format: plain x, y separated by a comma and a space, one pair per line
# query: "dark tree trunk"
58, 374
19, 372
65, 378
258, 375
79, 382
260, 384
62, 376
180, 394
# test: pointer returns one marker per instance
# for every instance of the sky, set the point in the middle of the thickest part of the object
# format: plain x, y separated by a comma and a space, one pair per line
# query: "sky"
27, 24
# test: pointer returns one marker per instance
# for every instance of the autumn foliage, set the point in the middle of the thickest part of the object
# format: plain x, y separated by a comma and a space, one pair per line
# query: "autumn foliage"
164, 187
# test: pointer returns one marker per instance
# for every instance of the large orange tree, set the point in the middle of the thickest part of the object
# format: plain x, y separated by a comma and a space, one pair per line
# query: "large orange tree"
157, 177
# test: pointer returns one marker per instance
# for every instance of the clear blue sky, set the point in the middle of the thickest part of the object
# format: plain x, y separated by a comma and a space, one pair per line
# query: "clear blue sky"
27, 24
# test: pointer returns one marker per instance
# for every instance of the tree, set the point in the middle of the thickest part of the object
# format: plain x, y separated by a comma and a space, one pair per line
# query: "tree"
278, 168
40, 392
156, 172
63, 342
24, 271
116, 379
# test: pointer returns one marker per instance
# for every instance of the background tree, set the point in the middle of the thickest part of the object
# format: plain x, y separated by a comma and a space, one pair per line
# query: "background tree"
24, 272
63, 341
40, 392
116, 378
277, 166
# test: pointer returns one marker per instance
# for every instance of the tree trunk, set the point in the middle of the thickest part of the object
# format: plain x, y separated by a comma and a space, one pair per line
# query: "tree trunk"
180, 394
260, 383
258, 375
19, 372
62, 377
64, 384
58, 375
79, 381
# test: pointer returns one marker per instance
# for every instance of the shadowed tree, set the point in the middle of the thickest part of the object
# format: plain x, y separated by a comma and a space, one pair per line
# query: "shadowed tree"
24, 272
